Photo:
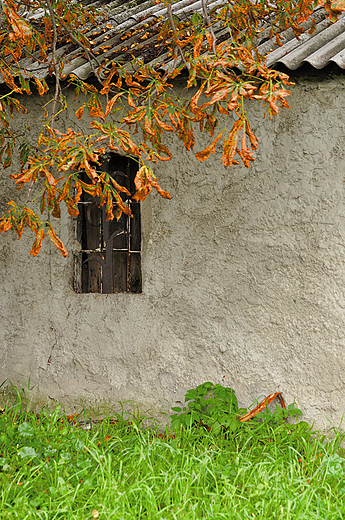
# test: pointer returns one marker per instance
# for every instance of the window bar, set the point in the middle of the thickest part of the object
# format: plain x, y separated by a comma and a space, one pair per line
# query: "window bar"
129, 249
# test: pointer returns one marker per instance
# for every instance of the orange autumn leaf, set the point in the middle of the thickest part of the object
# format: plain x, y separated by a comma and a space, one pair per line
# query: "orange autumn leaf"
97, 112
120, 188
112, 72
127, 144
46, 173
78, 193
109, 213
273, 106
223, 110
92, 189
19, 229
112, 102
252, 137
72, 208
194, 101
56, 241
144, 181
131, 102
23, 177
121, 207
148, 126
230, 144
65, 191
220, 95
204, 154
197, 47
5, 224
89, 170
136, 116
162, 193
80, 111
111, 144
41, 85
38, 242
210, 41
245, 154
9, 80
162, 125
20, 29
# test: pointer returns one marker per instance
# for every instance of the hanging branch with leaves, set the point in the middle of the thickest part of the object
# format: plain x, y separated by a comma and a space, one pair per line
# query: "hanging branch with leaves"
133, 95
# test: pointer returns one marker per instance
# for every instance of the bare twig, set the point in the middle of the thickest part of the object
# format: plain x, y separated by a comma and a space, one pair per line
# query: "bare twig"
29, 191
209, 25
177, 46
55, 65
214, 39
89, 54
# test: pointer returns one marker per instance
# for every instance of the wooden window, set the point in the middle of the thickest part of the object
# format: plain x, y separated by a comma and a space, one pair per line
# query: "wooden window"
109, 260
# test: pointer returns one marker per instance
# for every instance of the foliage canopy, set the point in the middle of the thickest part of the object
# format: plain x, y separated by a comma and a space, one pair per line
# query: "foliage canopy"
132, 96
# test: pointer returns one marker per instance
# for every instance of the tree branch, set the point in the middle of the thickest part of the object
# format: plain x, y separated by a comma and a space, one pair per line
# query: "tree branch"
177, 46
209, 25
89, 54
56, 68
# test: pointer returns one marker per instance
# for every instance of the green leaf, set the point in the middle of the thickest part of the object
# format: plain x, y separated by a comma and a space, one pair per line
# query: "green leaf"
302, 425
188, 420
233, 425
335, 465
208, 385
191, 394
216, 427
27, 451
195, 416
25, 430
196, 19
293, 410
8, 468
176, 409
176, 424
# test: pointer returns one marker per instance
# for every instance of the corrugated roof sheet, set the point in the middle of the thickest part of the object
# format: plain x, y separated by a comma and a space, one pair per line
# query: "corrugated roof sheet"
130, 28
324, 46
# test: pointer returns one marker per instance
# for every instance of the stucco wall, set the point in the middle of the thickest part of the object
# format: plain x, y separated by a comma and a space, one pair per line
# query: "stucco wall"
243, 281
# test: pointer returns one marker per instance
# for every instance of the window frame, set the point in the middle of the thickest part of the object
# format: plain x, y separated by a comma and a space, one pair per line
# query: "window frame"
109, 259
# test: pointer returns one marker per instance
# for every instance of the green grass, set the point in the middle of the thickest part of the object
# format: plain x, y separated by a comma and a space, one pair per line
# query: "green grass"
50, 469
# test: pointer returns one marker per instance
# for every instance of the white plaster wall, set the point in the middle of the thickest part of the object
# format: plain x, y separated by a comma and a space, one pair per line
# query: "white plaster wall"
243, 281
